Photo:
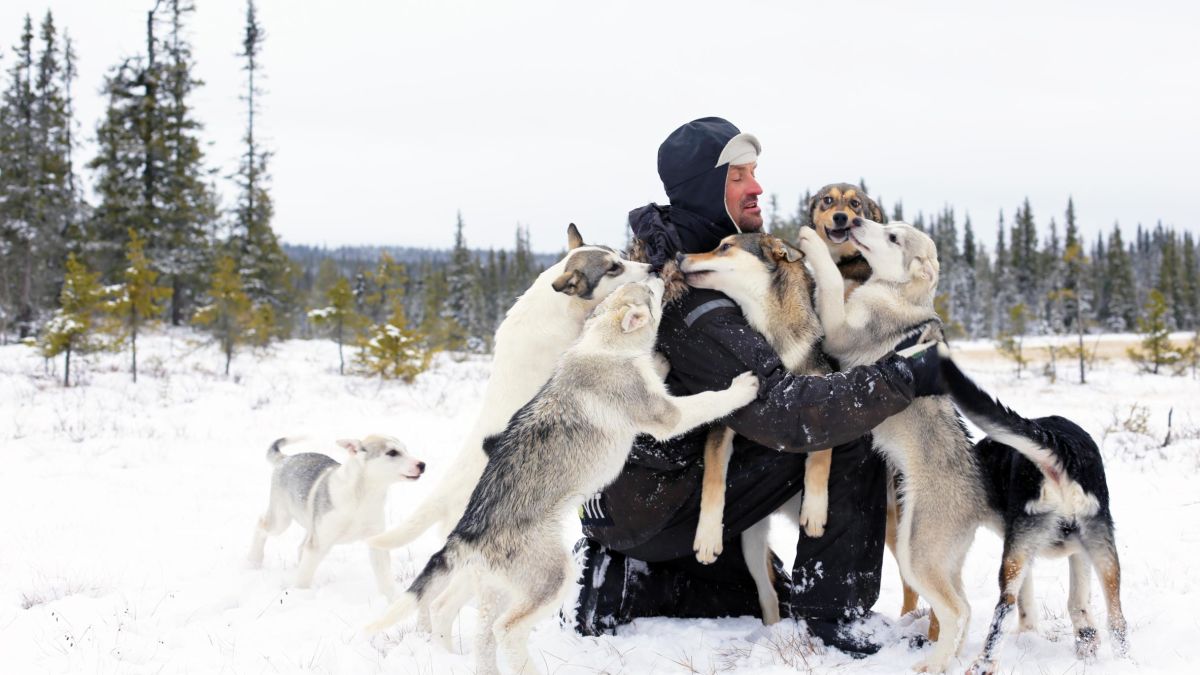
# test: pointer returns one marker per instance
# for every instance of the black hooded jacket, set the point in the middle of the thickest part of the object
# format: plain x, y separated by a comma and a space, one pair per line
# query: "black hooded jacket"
708, 342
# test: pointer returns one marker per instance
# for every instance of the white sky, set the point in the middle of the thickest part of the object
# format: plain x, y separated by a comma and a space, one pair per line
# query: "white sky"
387, 118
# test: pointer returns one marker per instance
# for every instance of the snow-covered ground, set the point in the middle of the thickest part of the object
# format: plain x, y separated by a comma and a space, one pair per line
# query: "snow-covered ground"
128, 511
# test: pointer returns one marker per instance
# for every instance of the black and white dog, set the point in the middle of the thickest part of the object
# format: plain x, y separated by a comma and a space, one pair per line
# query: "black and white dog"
1045, 478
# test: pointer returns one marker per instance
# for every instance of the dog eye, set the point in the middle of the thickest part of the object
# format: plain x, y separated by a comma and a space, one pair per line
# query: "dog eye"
393, 453
724, 247
893, 238
854, 203
828, 200
615, 269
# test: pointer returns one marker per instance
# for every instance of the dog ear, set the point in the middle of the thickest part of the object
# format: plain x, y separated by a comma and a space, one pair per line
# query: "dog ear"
351, 445
567, 283
812, 206
574, 240
922, 268
778, 250
634, 318
791, 253
873, 211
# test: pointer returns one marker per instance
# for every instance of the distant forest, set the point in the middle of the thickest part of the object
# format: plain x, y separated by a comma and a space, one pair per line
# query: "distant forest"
155, 214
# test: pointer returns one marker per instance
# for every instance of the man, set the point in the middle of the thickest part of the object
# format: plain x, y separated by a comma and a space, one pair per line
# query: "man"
637, 552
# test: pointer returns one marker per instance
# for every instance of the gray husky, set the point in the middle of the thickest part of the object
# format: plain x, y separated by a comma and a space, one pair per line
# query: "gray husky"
336, 503
927, 442
569, 441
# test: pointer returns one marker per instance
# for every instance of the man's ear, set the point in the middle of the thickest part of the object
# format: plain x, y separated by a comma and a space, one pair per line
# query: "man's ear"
568, 283
574, 240
635, 317
351, 445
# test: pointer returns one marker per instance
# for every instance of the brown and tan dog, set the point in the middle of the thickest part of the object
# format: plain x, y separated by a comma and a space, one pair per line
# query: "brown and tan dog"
831, 211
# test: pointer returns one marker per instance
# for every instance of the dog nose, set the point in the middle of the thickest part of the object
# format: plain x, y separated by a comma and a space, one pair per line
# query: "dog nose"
839, 219
857, 222
421, 467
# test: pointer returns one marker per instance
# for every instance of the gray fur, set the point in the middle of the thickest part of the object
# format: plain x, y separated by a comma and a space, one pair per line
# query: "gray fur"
564, 445
334, 502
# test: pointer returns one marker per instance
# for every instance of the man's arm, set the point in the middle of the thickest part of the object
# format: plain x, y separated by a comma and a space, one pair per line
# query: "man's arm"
793, 413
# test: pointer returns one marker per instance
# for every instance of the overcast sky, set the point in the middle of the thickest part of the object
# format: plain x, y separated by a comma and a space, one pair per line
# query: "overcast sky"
388, 118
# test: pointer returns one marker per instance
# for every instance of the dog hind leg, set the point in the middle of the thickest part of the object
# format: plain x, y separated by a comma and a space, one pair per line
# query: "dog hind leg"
445, 607
531, 603
1103, 553
1079, 607
1027, 609
1013, 569
311, 555
272, 523
757, 554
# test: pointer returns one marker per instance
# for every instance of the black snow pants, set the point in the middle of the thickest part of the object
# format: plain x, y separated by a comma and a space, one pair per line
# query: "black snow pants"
835, 576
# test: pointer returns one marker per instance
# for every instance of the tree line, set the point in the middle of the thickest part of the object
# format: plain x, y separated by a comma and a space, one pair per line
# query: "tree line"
152, 241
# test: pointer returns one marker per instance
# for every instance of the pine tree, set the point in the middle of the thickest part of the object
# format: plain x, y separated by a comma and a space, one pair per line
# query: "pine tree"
1156, 350
392, 351
139, 299
189, 204
1119, 285
459, 310
72, 328
339, 317
18, 183
1011, 342
1190, 285
261, 261
229, 312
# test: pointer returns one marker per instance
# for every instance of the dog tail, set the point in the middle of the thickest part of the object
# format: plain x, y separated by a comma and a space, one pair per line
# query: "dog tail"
1002, 424
430, 582
275, 454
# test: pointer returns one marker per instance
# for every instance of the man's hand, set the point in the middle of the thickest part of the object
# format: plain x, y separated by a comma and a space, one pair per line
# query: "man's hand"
925, 364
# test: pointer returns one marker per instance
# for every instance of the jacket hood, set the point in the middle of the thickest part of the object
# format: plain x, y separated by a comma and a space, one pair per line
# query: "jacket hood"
687, 165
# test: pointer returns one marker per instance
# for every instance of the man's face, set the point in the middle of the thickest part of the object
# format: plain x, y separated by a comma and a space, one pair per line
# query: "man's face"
741, 197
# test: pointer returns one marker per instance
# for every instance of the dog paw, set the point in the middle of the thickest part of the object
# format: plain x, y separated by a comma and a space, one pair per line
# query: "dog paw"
1087, 643
376, 627
982, 667
811, 243
662, 367
814, 513
708, 544
745, 386
933, 664
770, 615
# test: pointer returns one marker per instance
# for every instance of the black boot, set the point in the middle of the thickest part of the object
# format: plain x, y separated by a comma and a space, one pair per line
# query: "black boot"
858, 636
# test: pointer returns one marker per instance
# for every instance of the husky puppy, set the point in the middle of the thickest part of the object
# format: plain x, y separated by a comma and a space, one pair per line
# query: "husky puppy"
539, 327
927, 442
1045, 478
336, 503
569, 441
767, 278
831, 210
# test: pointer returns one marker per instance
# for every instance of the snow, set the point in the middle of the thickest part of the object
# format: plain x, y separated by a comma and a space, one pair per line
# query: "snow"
129, 511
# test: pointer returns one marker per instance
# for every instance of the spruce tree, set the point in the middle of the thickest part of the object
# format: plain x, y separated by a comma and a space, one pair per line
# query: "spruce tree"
72, 328
392, 351
1156, 349
229, 312
459, 310
339, 317
139, 299
1119, 285
18, 183
189, 204
262, 262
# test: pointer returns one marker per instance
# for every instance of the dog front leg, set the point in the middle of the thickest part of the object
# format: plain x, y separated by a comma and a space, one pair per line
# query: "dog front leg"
831, 288
710, 530
674, 415
381, 564
311, 555
814, 511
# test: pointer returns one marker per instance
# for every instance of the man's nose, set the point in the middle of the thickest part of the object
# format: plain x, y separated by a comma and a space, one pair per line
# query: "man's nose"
839, 219
755, 188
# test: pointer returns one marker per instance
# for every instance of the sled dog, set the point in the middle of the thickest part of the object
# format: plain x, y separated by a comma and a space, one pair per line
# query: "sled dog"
831, 211
1044, 479
568, 442
336, 503
539, 327
927, 442
767, 278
